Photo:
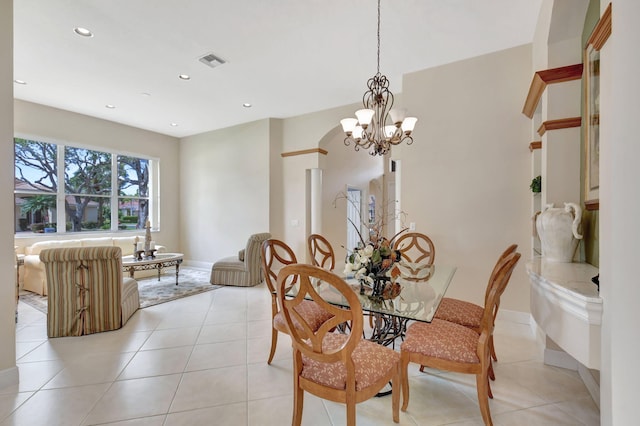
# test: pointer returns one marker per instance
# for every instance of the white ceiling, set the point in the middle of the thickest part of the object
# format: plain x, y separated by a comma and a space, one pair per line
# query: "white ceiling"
286, 57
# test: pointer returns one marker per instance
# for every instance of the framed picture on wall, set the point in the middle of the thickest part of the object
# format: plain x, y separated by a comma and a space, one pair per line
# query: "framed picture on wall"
592, 67
592, 129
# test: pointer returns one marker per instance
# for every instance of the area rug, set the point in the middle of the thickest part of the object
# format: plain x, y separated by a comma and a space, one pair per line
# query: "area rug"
152, 292
191, 281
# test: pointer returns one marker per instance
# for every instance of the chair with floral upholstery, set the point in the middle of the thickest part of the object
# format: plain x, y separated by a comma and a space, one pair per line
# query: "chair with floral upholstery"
244, 269
321, 252
448, 346
335, 366
275, 255
469, 314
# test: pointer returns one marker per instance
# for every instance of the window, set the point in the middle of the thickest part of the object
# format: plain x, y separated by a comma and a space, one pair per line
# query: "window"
88, 200
133, 191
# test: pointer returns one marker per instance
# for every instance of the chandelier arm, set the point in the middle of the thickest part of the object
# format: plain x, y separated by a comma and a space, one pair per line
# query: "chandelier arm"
407, 138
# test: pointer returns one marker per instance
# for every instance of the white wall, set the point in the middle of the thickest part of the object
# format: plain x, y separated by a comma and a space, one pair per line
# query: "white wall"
57, 125
8, 370
294, 200
300, 133
619, 206
276, 204
541, 36
224, 190
465, 179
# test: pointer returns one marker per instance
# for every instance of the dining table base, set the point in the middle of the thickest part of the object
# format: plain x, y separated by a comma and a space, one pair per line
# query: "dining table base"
387, 328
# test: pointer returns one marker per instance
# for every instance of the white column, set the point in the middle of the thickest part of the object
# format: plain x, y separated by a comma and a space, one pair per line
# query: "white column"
315, 200
8, 369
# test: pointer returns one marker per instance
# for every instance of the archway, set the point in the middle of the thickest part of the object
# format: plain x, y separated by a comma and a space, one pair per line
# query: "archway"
342, 168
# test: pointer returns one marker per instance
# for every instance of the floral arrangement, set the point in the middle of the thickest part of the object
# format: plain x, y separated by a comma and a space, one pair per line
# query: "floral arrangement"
374, 262
374, 265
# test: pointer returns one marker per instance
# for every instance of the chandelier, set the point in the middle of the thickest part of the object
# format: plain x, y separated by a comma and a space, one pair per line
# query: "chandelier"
370, 129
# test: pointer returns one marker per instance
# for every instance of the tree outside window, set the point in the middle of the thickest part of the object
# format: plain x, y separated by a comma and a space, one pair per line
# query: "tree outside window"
86, 173
87, 191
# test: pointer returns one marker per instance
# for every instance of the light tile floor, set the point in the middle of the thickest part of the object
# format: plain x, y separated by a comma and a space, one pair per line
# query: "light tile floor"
201, 360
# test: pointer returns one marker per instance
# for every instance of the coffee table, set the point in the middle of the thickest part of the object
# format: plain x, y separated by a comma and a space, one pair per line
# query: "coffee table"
159, 261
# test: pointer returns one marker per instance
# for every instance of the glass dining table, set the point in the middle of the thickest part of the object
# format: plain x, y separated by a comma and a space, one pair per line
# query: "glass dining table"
422, 290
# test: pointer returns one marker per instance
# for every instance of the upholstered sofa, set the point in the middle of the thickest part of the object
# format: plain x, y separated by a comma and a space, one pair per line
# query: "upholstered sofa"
87, 291
35, 279
244, 269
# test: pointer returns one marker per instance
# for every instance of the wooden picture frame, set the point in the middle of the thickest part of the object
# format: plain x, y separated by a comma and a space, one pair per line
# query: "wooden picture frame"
592, 128
591, 68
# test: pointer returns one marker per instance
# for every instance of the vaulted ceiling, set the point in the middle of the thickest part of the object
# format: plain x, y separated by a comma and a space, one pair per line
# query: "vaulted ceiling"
284, 57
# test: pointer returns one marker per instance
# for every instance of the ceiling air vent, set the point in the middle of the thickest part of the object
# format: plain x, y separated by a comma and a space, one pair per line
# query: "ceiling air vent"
211, 60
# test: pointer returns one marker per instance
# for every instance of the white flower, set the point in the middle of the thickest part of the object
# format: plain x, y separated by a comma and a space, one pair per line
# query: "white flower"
359, 260
360, 273
348, 269
368, 251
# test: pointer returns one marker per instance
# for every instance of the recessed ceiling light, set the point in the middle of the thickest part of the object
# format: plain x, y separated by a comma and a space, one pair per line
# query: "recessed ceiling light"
19, 81
174, 124
83, 32
184, 77
246, 105
145, 94
110, 106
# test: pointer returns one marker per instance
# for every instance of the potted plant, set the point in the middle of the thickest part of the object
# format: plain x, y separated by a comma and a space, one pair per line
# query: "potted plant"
536, 184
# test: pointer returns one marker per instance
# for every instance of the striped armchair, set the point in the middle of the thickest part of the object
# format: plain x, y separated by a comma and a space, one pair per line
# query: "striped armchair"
243, 270
86, 290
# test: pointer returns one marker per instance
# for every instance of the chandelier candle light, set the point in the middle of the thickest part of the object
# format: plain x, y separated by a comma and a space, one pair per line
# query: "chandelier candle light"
370, 128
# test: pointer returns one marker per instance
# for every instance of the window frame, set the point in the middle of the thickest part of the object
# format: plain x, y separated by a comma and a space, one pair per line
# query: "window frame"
114, 197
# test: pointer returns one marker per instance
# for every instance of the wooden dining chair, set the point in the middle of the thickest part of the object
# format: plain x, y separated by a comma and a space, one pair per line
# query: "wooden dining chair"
416, 248
275, 255
321, 252
335, 366
469, 314
448, 346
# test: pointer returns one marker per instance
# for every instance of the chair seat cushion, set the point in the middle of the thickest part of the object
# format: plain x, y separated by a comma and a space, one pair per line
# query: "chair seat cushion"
372, 362
460, 312
443, 340
313, 314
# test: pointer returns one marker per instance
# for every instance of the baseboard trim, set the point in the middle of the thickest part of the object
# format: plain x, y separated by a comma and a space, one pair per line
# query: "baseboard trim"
9, 377
538, 332
197, 264
560, 359
590, 382
564, 360
515, 316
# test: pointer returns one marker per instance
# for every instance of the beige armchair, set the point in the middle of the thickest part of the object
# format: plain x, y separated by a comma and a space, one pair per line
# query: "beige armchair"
86, 290
243, 270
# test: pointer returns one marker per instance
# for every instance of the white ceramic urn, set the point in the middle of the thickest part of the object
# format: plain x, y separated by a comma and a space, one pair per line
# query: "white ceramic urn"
558, 231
